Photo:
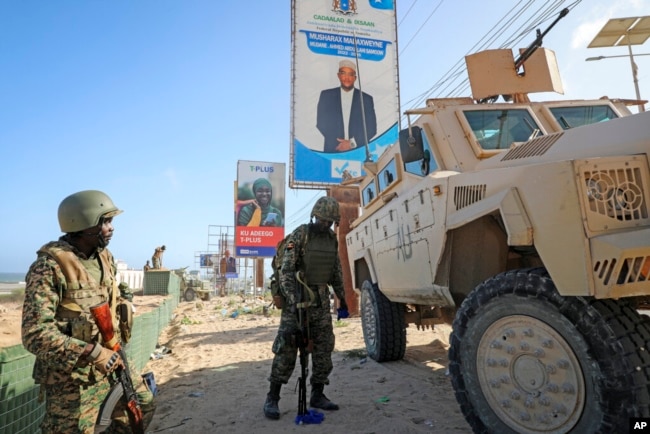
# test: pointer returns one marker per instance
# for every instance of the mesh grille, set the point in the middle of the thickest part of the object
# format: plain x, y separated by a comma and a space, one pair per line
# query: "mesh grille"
466, 195
616, 193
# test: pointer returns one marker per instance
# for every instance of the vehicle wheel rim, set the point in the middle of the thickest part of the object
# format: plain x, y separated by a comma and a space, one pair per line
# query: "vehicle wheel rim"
530, 376
370, 326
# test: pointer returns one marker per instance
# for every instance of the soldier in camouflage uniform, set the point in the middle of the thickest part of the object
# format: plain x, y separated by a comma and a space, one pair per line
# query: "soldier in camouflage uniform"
156, 259
311, 257
69, 276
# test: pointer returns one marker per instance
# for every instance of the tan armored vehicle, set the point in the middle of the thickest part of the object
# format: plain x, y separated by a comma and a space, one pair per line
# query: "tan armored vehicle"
527, 224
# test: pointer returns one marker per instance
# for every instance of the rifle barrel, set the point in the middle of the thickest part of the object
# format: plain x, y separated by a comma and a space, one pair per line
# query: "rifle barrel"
538, 40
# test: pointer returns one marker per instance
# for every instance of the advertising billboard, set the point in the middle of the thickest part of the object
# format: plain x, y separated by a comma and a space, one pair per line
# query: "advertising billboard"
345, 104
224, 265
259, 208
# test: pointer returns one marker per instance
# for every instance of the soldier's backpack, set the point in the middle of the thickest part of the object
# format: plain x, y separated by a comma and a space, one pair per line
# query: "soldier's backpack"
276, 265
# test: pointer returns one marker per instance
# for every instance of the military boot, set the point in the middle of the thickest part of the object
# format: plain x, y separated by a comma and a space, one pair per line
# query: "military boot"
271, 409
319, 400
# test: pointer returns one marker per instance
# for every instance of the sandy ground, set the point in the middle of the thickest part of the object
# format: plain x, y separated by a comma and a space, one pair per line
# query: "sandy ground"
215, 377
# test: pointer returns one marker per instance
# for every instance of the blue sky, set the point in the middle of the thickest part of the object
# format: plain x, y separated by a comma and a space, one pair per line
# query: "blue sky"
154, 102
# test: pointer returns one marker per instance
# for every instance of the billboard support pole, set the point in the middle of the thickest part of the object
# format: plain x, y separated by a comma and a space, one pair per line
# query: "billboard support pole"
363, 109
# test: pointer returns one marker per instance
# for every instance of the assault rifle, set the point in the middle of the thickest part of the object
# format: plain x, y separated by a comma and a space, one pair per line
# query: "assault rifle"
305, 346
123, 387
302, 339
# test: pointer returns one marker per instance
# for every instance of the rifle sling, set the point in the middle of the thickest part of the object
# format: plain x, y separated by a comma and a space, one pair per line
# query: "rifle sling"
310, 294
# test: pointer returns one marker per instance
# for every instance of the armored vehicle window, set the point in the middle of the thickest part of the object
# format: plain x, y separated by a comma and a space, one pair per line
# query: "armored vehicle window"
498, 129
425, 166
387, 175
575, 116
369, 193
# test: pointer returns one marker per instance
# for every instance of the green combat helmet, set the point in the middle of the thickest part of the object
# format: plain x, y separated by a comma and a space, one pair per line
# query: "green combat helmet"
84, 209
326, 208
125, 292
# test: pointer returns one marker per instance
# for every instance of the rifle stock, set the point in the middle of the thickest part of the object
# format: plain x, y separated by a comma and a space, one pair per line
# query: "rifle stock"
102, 315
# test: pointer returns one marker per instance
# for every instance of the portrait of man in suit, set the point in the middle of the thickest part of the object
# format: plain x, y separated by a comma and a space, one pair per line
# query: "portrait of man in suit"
345, 115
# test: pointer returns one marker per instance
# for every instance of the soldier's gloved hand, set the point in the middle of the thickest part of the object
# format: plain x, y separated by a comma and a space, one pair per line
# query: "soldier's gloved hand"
342, 311
105, 360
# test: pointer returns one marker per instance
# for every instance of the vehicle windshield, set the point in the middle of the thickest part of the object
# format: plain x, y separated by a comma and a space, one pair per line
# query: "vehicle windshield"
498, 129
575, 116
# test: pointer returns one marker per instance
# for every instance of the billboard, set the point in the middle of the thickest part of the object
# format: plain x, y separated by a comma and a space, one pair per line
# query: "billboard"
224, 265
259, 208
345, 104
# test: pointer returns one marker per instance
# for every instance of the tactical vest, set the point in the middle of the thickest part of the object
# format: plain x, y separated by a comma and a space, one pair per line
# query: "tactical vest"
318, 259
81, 290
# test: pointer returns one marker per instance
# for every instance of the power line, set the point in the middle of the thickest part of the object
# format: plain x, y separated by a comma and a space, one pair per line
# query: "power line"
423, 24
303, 214
511, 29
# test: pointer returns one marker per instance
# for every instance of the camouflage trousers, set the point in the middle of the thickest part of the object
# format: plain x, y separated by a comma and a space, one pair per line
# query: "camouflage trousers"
72, 408
321, 333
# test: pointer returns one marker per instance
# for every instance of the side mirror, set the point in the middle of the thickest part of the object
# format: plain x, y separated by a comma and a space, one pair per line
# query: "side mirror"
410, 144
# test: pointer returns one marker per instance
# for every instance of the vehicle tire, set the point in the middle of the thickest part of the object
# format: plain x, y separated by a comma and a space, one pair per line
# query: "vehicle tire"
524, 359
189, 294
382, 321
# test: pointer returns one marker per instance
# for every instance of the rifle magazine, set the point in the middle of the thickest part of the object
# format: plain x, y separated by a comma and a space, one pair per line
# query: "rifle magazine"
107, 407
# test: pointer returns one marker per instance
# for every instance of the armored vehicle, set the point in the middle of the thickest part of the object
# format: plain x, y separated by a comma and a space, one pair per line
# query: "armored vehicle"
525, 225
192, 286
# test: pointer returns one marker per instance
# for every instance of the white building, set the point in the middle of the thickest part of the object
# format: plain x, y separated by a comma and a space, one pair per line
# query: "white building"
131, 276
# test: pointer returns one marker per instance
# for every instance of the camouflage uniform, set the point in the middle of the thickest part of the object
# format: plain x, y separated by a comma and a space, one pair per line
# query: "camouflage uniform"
310, 264
156, 259
74, 389
319, 314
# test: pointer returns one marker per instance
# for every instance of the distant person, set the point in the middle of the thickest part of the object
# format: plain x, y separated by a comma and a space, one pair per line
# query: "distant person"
339, 116
147, 266
157, 257
259, 211
68, 277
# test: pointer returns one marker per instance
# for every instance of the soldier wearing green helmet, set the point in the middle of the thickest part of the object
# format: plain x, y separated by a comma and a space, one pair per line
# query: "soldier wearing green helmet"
68, 277
310, 264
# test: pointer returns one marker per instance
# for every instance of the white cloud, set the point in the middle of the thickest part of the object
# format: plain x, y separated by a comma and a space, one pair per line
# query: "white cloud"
585, 33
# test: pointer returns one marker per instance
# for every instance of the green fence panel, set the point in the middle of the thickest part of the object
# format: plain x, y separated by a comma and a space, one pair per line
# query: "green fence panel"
161, 283
20, 411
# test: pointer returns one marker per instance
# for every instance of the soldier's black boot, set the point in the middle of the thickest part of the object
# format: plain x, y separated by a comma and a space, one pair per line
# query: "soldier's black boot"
319, 400
271, 409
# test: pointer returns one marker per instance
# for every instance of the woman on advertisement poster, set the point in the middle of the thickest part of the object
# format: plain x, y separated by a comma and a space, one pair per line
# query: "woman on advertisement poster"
259, 211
